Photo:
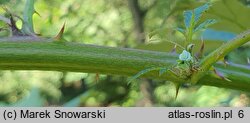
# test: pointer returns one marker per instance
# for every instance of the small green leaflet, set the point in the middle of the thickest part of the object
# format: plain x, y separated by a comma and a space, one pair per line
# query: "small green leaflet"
205, 24
162, 71
199, 11
143, 72
191, 17
188, 17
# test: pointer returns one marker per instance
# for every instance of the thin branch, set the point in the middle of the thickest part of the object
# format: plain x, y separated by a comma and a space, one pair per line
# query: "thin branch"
220, 53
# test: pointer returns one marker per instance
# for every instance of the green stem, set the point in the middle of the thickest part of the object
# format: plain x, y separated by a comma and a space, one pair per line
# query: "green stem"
28, 17
219, 54
75, 57
189, 35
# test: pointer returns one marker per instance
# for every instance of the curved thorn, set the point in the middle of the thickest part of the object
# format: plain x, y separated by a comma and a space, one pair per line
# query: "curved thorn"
177, 87
190, 48
37, 13
225, 62
174, 49
220, 75
59, 36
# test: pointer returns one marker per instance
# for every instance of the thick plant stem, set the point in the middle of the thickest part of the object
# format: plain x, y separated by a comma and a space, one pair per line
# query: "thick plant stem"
220, 53
75, 57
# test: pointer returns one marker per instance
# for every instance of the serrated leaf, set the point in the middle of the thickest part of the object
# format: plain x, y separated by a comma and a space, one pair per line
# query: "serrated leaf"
162, 71
199, 11
142, 72
205, 24
187, 18
193, 16
156, 32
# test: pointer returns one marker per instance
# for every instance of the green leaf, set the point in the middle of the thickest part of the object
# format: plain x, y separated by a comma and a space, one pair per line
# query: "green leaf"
162, 71
199, 11
191, 17
177, 88
205, 24
233, 16
143, 72
187, 18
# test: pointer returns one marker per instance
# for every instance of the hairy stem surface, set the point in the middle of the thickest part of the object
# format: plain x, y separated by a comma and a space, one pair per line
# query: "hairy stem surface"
75, 57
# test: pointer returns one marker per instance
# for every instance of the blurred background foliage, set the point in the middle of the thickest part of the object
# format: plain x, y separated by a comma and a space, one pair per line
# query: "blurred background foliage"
122, 23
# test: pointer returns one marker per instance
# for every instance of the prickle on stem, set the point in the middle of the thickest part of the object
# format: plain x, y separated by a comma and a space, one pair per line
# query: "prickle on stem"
59, 36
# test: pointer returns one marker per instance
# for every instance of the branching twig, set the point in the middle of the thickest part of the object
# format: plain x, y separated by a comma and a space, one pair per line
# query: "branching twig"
220, 53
